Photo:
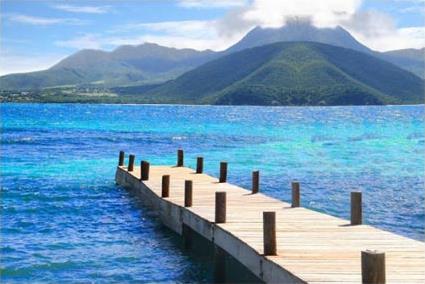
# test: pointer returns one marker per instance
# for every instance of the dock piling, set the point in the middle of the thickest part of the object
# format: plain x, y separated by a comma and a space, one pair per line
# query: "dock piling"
291, 237
180, 158
223, 172
188, 193
373, 267
255, 182
356, 208
199, 165
165, 187
121, 159
144, 170
131, 163
220, 207
295, 194
269, 233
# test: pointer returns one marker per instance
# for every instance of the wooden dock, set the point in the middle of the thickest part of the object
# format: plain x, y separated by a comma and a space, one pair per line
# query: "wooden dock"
310, 247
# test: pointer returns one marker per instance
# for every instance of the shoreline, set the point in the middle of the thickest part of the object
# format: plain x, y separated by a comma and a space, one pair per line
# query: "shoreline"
204, 105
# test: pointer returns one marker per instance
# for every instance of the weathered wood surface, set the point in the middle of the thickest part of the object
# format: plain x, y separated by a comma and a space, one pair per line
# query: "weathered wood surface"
313, 246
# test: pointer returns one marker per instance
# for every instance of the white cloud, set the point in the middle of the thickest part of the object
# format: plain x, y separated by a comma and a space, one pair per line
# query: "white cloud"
194, 34
83, 9
186, 28
370, 24
199, 35
413, 9
375, 29
14, 63
211, 4
378, 31
274, 13
42, 21
86, 41
413, 37
412, 1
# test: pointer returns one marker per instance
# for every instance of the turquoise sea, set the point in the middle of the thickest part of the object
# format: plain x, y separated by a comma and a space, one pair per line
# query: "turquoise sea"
64, 219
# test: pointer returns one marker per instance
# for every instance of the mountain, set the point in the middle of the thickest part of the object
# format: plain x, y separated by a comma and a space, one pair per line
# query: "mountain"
298, 30
125, 65
151, 63
411, 59
297, 73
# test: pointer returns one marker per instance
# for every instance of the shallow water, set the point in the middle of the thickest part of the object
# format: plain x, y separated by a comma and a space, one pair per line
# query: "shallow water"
64, 218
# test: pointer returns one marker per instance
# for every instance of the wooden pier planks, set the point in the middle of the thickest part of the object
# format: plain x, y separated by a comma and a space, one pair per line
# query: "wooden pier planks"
313, 246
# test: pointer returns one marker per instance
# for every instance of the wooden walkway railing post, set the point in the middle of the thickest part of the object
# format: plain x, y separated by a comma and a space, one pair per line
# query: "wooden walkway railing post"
199, 165
223, 172
373, 267
130, 167
144, 170
269, 233
188, 193
405, 257
255, 182
180, 158
295, 194
121, 159
220, 207
165, 187
356, 208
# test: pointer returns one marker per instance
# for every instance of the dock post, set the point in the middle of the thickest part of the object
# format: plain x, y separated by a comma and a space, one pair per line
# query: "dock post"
121, 159
269, 233
295, 194
165, 188
180, 158
356, 208
188, 193
130, 167
220, 207
144, 170
223, 172
255, 182
219, 265
373, 267
199, 165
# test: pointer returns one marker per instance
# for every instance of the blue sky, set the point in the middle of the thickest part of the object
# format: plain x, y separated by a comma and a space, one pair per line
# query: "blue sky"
37, 34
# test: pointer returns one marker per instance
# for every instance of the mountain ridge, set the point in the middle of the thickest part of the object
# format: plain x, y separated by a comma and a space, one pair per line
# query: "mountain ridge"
125, 65
150, 63
295, 31
296, 73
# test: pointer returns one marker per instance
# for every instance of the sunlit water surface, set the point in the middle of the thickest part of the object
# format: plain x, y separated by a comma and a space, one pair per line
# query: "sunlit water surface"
63, 217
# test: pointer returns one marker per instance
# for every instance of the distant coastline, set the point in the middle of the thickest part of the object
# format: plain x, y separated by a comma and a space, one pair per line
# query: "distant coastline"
78, 100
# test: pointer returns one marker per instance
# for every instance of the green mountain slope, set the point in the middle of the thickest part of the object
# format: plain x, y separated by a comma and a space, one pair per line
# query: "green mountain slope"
302, 73
151, 63
126, 65
410, 59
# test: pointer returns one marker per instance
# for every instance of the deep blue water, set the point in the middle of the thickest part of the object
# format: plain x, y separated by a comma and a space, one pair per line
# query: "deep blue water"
63, 218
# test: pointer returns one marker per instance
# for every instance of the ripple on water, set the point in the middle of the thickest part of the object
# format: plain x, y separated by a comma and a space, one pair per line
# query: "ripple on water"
63, 217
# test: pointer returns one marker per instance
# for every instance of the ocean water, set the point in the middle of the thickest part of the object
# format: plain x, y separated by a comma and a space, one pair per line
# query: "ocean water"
63, 218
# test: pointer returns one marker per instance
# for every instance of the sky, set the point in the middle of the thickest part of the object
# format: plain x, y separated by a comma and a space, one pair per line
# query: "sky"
36, 34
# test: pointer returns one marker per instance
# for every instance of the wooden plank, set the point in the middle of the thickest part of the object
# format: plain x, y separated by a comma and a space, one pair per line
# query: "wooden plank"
313, 246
